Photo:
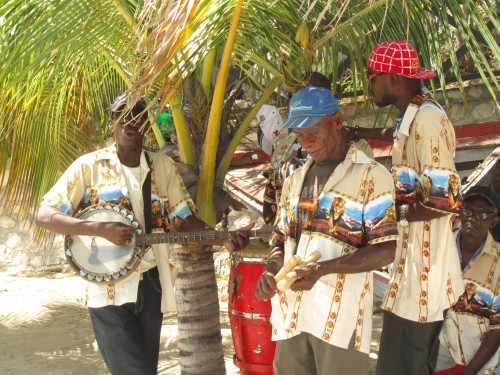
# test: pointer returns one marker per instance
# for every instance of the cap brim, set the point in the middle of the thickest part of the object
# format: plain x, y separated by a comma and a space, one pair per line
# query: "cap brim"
492, 202
422, 73
301, 122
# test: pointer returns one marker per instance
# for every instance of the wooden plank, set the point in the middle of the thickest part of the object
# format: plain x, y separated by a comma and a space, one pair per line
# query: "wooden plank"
247, 185
485, 172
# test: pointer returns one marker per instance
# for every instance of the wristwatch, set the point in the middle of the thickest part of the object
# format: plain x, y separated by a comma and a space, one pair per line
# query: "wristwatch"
402, 215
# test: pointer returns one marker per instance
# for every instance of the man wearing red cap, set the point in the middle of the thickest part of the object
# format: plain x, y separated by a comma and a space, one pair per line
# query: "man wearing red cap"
425, 277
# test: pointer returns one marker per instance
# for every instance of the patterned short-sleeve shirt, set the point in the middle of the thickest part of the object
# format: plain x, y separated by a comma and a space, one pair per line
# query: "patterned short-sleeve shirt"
355, 208
98, 178
425, 277
477, 310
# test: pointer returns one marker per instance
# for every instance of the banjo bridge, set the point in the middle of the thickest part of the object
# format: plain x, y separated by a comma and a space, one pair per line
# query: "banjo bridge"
93, 244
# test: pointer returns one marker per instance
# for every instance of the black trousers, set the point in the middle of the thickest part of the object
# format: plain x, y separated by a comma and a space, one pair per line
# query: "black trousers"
408, 347
128, 335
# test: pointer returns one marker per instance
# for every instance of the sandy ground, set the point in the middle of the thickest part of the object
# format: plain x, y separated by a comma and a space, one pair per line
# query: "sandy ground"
44, 329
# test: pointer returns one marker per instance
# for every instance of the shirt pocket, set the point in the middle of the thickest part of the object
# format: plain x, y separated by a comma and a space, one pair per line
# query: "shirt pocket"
327, 309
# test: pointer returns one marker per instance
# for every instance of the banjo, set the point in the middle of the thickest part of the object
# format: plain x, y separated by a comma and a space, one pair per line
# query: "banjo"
100, 261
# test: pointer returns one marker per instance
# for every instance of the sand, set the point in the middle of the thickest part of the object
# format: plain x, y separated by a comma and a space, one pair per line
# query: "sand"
45, 329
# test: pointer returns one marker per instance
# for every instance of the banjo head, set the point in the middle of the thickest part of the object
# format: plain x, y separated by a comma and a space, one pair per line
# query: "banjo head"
95, 258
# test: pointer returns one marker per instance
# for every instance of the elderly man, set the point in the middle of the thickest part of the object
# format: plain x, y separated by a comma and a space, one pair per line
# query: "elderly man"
286, 157
425, 278
127, 314
471, 333
341, 204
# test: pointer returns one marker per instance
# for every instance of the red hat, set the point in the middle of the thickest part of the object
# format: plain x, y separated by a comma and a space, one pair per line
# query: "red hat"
398, 57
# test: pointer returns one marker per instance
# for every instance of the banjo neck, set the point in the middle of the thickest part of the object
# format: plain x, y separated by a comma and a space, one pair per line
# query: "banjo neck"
98, 260
183, 237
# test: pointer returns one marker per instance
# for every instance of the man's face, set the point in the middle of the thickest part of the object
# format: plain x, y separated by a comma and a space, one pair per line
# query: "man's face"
129, 131
322, 140
471, 224
380, 88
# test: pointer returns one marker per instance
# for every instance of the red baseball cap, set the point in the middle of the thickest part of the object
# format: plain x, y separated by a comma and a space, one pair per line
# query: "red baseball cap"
398, 57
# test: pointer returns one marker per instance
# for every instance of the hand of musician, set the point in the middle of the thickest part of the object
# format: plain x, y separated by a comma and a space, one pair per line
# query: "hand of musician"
118, 233
347, 134
266, 286
306, 276
240, 240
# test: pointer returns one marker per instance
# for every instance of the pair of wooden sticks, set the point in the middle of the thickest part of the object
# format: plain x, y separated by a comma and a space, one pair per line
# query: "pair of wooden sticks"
283, 278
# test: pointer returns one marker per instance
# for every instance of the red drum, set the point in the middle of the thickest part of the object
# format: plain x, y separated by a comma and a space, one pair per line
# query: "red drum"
249, 317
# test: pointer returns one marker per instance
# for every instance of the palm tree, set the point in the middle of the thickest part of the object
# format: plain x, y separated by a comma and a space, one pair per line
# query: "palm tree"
273, 48
62, 62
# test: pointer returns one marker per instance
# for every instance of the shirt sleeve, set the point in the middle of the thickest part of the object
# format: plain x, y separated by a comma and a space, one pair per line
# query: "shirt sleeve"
379, 213
439, 182
68, 192
495, 308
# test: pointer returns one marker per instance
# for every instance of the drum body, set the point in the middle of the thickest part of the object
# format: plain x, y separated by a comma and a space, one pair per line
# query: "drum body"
249, 318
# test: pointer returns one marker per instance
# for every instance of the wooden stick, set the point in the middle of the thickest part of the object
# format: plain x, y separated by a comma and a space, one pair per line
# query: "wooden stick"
289, 266
288, 280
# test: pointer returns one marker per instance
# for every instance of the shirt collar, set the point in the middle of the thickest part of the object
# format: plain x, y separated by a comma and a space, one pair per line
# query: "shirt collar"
487, 247
110, 153
353, 156
411, 111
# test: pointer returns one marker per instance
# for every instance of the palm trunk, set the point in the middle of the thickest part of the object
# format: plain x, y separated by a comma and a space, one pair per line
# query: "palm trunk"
200, 339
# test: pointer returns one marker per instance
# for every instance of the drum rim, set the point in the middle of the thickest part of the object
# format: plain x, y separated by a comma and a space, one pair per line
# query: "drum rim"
115, 275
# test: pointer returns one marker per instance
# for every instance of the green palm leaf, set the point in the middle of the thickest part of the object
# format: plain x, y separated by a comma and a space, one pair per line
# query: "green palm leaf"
63, 61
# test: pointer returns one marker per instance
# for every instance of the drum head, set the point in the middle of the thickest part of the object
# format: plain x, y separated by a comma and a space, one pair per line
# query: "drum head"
96, 258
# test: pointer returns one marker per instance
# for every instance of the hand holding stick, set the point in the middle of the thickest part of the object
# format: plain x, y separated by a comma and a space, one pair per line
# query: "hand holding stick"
288, 267
287, 280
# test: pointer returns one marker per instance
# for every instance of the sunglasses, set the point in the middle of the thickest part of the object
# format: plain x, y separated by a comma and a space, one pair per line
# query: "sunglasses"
479, 215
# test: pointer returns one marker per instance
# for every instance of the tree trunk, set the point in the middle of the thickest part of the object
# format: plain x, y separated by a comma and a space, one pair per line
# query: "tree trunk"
200, 339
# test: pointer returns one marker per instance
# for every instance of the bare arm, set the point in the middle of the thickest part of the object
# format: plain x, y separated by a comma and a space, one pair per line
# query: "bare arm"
487, 348
368, 258
55, 220
379, 134
418, 212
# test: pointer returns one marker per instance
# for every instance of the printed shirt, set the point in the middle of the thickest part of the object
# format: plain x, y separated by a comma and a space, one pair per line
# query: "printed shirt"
98, 178
477, 310
355, 208
425, 276
283, 154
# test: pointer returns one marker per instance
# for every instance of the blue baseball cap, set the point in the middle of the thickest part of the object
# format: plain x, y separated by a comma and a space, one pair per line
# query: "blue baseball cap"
308, 106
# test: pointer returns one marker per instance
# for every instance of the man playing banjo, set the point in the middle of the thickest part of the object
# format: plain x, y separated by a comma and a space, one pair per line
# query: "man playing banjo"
126, 312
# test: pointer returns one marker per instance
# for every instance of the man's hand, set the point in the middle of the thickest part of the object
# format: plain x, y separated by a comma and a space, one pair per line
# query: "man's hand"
118, 233
347, 134
269, 212
240, 240
266, 286
306, 277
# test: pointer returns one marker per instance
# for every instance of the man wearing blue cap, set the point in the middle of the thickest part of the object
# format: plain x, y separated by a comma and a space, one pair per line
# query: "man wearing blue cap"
340, 204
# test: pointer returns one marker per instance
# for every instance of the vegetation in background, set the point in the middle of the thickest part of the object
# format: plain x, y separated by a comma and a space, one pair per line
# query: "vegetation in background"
62, 62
